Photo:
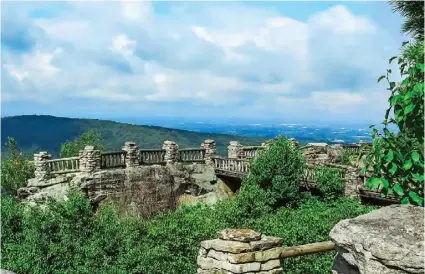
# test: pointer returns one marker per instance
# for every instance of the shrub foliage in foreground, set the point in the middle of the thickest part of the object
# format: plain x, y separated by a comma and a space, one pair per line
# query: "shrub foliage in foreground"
68, 238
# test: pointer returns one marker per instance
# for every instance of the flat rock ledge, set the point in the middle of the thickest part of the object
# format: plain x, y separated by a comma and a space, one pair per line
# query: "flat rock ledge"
386, 240
240, 251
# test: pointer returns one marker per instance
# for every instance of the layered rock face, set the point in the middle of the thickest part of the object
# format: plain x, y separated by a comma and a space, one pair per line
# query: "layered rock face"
389, 240
136, 191
240, 251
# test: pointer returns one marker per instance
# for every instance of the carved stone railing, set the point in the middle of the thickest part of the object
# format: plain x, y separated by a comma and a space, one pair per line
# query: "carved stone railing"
352, 149
193, 155
152, 156
248, 152
231, 165
63, 165
112, 159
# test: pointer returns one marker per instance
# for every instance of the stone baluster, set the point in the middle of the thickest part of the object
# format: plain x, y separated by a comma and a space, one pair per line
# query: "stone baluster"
89, 159
42, 171
133, 154
210, 150
234, 150
171, 152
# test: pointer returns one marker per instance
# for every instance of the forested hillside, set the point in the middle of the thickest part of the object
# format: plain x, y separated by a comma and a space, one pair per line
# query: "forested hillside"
40, 132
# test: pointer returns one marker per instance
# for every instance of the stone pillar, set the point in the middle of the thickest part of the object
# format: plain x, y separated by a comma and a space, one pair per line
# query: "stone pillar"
234, 150
267, 143
171, 152
89, 159
294, 142
240, 251
210, 150
132, 155
41, 172
352, 181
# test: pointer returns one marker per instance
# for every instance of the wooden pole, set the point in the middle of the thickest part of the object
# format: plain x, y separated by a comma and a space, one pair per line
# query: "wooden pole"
294, 251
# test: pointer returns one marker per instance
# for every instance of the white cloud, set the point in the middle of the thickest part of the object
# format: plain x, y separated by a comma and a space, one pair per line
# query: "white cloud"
340, 20
222, 55
337, 100
123, 45
38, 64
136, 10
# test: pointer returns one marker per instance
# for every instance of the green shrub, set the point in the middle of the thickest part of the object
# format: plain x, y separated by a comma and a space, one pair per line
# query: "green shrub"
90, 138
68, 238
16, 169
278, 170
329, 182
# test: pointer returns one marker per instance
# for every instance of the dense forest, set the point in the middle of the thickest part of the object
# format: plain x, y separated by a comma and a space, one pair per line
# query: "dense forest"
39, 132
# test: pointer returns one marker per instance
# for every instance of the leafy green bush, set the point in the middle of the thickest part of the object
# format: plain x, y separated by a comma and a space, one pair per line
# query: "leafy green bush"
329, 182
68, 238
397, 160
16, 169
90, 138
278, 170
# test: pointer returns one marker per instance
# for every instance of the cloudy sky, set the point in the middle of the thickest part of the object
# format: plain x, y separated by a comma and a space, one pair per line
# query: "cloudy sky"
315, 61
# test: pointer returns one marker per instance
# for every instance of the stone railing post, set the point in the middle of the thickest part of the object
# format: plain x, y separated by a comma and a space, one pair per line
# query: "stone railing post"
132, 155
89, 159
210, 150
171, 152
352, 181
294, 142
240, 251
234, 150
42, 171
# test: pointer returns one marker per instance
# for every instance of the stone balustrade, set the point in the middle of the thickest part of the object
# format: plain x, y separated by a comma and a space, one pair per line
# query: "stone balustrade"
90, 160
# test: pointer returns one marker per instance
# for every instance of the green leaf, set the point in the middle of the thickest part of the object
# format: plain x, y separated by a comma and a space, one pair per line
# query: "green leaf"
419, 177
407, 165
405, 201
393, 168
418, 87
398, 190
409, 108
380, 78
389, 70
406, 81
420, 67
416, 198
390, 156
392, 85
385, 183
374, 183
393, 99
392, 58
404, 43
415, 156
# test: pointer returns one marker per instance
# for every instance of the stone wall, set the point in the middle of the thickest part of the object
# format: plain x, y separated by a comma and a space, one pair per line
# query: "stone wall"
240, 251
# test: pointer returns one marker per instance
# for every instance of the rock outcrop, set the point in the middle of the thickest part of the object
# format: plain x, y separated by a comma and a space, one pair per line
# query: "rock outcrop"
387, 240
240, 251
136, 191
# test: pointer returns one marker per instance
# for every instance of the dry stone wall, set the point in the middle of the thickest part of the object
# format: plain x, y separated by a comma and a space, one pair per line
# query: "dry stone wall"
240, 251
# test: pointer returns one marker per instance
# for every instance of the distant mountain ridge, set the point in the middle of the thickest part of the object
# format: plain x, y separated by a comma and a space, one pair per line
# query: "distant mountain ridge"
44, 132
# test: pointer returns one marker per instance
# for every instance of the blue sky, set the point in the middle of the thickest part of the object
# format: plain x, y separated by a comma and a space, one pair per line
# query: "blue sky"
305, 61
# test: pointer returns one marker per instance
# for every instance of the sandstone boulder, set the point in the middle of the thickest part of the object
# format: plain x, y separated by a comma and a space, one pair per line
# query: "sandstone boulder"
387, 240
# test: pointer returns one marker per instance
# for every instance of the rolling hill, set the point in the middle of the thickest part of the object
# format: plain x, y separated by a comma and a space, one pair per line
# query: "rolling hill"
41, 132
